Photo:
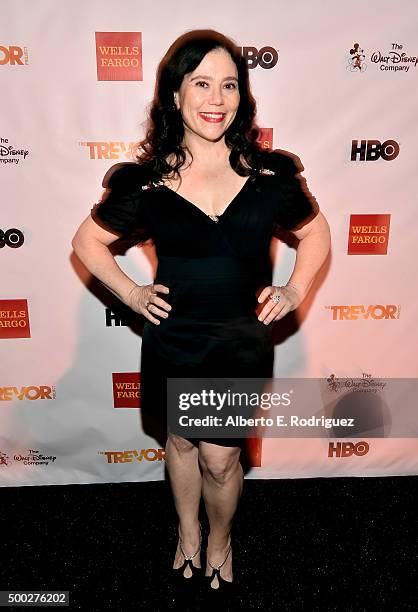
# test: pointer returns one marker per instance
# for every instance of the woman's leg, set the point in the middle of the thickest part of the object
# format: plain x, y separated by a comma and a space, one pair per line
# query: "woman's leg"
186, 483
222, 484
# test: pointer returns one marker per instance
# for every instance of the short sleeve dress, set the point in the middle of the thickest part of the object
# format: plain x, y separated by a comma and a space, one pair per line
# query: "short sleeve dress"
215, 269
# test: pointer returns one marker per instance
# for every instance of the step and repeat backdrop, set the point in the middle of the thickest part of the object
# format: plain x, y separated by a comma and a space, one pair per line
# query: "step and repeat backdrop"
335, 85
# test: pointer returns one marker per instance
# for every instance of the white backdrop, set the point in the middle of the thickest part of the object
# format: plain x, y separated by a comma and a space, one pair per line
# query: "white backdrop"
60, 345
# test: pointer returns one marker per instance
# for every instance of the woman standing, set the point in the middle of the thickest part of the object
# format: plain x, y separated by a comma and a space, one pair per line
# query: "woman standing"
210, 199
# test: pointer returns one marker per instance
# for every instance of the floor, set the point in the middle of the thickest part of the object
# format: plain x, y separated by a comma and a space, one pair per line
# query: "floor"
303, 544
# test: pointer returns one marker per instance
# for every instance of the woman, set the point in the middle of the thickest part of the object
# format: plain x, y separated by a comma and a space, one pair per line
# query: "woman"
210, 199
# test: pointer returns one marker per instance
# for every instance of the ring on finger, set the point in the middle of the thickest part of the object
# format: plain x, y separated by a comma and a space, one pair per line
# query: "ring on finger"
275, 297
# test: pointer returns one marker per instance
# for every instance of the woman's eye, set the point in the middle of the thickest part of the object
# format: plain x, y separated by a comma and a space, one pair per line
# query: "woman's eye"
201, 83
233, 85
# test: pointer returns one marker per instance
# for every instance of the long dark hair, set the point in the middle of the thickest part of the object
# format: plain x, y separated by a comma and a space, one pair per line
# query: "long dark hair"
165, 131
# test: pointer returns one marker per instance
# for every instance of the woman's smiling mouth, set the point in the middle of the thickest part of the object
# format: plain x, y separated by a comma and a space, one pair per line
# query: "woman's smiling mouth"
212, 117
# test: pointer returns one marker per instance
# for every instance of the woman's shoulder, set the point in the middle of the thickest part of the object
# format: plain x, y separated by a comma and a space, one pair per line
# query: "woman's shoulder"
125, 177
293, 203
281, 163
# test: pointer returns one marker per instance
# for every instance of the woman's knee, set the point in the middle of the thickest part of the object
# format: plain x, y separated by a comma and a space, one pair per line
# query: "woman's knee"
181, 445
217, 462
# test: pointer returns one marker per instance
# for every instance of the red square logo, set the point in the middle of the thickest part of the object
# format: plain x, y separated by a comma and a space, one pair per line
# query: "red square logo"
368, 235
265, 139
119, 56
14, 319
254, 451
126, 389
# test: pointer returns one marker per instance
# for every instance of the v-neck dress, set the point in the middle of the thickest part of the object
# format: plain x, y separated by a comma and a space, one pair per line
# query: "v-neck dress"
214, 268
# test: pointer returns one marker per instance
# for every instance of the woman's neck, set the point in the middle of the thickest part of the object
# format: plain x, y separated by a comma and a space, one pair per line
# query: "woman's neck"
205, 152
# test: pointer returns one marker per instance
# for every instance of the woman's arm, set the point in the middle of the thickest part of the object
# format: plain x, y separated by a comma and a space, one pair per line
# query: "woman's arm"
90, 243
313, 248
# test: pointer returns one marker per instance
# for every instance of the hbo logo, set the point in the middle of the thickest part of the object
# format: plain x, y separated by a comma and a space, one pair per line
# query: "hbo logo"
370, 150
12, 238
265, 58
346, 449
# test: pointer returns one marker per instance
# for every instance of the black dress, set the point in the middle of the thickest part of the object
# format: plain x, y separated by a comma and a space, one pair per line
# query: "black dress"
214, 269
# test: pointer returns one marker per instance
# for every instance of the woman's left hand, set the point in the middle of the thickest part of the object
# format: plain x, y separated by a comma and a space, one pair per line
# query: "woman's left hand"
288, 298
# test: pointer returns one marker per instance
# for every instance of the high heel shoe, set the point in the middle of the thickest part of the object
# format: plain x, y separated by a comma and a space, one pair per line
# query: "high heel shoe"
182, 581
223, 586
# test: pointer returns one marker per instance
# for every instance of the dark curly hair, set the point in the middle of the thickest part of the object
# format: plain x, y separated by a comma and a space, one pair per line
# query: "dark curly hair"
165, 130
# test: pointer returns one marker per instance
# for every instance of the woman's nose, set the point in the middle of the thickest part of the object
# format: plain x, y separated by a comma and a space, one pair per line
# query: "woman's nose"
216, 95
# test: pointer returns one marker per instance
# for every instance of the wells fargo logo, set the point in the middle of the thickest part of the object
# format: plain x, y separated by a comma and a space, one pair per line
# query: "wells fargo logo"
119, 56
14, 319
13, 55
31, 392
353, 313
265, 138
368, 235
111, 150
126, 389
347, 449
128, 456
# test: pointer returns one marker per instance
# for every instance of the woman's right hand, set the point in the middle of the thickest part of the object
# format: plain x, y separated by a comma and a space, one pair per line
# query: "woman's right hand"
144, 299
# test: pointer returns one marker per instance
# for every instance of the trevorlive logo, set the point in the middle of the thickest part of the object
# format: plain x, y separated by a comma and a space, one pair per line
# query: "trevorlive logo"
265, 138
102, 149
110, 150
128, 456
368, 234
14, 319
119, 56
13, 55
32, 392
353, 313
127, 389
347, 449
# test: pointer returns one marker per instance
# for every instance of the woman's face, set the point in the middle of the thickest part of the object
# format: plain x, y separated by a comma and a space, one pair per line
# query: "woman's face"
208, 97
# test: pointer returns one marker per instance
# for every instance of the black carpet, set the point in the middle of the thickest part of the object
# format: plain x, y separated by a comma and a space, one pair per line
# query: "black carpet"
303, 544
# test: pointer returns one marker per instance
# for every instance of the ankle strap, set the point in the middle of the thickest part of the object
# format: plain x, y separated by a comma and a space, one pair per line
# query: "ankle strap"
223, 562
198, 550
